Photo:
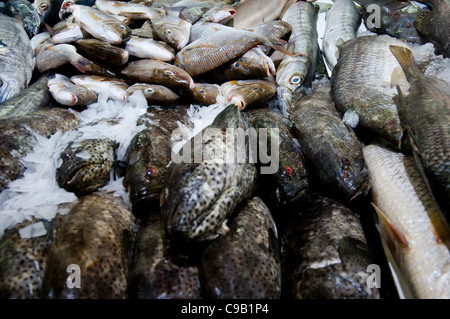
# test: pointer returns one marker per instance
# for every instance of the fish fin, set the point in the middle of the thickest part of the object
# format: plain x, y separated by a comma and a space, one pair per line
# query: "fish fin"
392, 233
174, 11
50, 29
405, 57
400, 102
286, 7
278, 44
398, 78
421, 21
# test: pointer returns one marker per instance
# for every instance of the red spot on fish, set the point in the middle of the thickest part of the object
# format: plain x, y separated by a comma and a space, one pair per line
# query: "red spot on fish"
288, 171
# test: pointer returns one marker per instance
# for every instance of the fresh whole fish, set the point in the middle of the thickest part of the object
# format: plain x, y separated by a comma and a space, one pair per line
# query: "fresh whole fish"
205, 93
377, 73
34, 97
155, 94
158, 72
245, 263
253, 12
435, 25
296, 70
68, 31
16, 58
342, 23
333, 152
326, 254
134, 11
63, 10
199, 195
28, 14
172, 30
93, 235
245, 93
159, 270
149, 49
103, 52
401, 196
425, 114
113, 87
65, 92
48, 10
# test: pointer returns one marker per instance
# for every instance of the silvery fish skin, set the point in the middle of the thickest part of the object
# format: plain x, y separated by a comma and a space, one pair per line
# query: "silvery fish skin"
159, 269
253, 12
245, 93
29, 16
435, 25
342, 23
245, 263
219, 14
149, 49
158, 72
425, 115
377, 74
332, 151
326, 254
303, 42
86, 165
172, 30
149, 155
113, 87
16, 138
402, 196
63, 10
68, 31
23, 262
205, 93
34, 97
134, 11
101, 51
199, 195
92, 235
65, 92
289, 186
16, 58
155, 94
100, 25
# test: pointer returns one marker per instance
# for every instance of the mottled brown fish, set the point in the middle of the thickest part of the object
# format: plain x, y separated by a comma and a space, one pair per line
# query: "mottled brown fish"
205, 93
101, 51
155, 94
246, 93
245, 263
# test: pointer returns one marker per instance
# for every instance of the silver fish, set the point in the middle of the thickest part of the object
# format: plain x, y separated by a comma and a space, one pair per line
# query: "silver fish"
65, 92
149, 49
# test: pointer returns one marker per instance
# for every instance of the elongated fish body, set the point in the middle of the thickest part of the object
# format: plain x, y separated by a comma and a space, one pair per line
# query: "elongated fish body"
65, 92
435, 25
425, 113
205, 93
245, 263
16, 58
102, 51
28, 14
149, 49
16, 138
100, 25
92, 236
326, 254
23, 261
215, 49
342, 23
377, 72
113, 87
172, 30
200, 193
159, 270
406, 207
294, 71
134, 11
158, 72
148, 157
155, 94
332, 150
253, 12
245, 93
289, 186
34, 97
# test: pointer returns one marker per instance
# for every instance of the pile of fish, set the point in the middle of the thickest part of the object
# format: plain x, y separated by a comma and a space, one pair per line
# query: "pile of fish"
224, 149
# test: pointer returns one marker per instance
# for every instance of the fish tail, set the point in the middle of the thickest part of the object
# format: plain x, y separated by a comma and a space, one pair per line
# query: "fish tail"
278, 44
406, 59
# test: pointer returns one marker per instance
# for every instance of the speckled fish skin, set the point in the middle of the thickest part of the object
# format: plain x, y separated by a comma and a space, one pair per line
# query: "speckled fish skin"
159, 270
401, 194
289, 186
332, 150
342, 23
101, 51
426, 117
198, 198
148, 155
33, 98
326, 254
23, 262
29, 16
155, 94
367, 66
16, 58
93, 235
86, 165
435, 25
246, 93
205, 93
16, 136
245, 263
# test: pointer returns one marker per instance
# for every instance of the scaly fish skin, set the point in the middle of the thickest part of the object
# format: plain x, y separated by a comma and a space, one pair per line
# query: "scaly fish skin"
92, 235
326, 254
245, 263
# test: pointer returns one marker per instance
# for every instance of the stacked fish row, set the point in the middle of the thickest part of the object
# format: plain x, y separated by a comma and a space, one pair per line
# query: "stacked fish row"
223, 229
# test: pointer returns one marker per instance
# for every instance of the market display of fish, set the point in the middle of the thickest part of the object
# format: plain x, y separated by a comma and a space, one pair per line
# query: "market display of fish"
245, 93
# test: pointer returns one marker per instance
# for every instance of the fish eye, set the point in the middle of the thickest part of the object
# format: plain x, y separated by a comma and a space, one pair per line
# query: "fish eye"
255, 89
202, 91
43, 6
236, 64
151, 171
168, 72
67, 4
168, 31
149, 90
295, 79
1, 83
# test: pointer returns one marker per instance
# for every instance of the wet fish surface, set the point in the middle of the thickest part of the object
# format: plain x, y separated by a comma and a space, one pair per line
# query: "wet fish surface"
247, 93
28, 15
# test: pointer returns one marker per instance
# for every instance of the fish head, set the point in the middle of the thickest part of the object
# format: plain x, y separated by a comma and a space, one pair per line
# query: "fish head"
31, 24
293, 185
173, 76
63, 11
205, 94
43, 7
8, 87
175, 35
116, 30
245, 93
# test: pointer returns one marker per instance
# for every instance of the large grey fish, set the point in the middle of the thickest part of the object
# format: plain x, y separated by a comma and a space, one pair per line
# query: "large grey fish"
16, 57
16, 138
92, 236
245, 263
410, 221
425, 113
332, 151
28, 14
159, 269
435, 24
34, 97
367, 66
289, 186
326, 255
203, 188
